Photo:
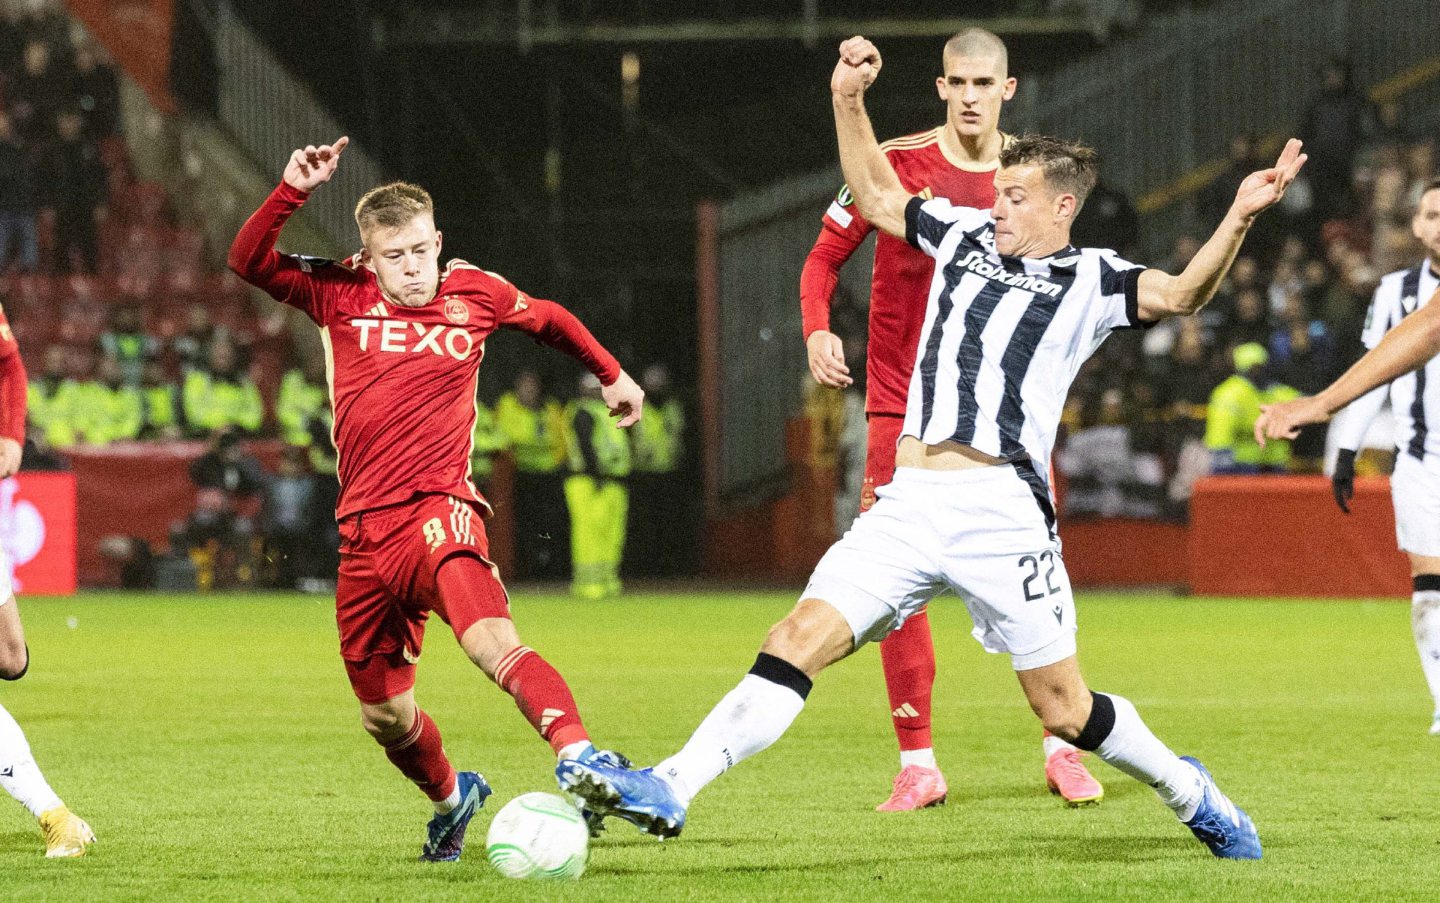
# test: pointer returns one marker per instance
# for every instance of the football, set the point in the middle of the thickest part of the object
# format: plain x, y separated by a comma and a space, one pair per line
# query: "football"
538, 835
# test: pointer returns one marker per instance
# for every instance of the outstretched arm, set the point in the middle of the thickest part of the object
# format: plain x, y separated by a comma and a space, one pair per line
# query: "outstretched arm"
1161, 295
550, 324
1408, 346
878, 192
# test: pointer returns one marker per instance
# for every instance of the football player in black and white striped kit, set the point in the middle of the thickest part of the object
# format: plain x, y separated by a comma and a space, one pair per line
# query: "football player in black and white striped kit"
1014, 310
1415, 401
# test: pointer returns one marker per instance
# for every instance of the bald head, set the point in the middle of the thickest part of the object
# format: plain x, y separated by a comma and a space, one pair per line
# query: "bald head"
977, 42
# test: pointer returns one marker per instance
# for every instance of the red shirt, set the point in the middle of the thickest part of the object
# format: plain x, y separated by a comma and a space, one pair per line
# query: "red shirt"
13, 400
402, 379
900, 284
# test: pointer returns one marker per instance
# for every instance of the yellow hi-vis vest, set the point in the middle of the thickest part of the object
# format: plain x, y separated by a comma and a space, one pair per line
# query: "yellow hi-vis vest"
658, 438
611, 445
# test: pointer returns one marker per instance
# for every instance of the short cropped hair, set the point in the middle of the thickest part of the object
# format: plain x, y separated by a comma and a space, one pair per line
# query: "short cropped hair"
1069, 166
392, 206
978, 42
1429, 187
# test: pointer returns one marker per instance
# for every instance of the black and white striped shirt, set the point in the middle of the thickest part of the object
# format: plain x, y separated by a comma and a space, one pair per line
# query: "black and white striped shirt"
1004, 336
1414, 397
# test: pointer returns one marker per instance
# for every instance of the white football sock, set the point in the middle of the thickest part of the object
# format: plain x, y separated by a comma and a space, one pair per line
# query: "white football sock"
1131, 748
19, 774
750, 718
448, 804
1425, 621
1053, 744
925, 758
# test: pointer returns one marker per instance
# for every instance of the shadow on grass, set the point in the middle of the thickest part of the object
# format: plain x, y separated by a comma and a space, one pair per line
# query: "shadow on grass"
1134, 848
20, 842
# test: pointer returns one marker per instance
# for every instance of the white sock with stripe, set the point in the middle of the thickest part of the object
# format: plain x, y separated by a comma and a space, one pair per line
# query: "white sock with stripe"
751, 717
1130, 746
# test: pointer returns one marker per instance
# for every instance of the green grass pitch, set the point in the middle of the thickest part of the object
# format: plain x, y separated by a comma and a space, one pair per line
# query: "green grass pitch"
215, 747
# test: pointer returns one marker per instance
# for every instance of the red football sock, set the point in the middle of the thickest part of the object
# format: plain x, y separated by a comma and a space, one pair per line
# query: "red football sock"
908, 656
421, 757
542, 696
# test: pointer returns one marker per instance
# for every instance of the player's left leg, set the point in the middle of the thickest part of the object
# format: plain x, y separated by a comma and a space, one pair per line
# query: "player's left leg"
66, 834
475, 604
1109, 726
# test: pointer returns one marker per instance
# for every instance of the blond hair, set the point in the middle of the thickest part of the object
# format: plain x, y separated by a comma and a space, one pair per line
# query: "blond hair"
392, 206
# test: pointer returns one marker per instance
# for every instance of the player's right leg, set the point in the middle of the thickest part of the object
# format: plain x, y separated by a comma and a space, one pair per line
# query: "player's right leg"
66, 834
879, 573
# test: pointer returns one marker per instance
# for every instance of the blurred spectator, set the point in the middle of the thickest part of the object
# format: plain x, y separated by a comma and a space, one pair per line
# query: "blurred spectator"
36, 94
133, 557
1248, 321
1232, 411
192, 346
161, 402
17, 203
95, 89
661, 515
127, 341
1215, 198
487, 441
1106, 476
596, 493
112, 410
303, 395
1334, 128
76, 192
228, 467
286, 520
534, 427
1107, 220
220, 396
44, 397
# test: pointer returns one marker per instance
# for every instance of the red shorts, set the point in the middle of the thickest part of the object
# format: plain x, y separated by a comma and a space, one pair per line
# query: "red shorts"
386, 589
882, 434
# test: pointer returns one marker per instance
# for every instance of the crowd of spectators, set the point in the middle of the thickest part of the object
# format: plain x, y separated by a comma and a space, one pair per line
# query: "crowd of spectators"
1152, 412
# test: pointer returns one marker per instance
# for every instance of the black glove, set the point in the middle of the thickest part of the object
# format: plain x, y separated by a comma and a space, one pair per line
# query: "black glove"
1343, 482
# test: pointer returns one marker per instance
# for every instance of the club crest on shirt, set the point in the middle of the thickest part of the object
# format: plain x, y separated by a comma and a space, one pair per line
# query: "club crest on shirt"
456, 311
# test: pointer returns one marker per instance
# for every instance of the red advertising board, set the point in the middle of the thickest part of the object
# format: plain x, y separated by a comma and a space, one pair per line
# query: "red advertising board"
37, 531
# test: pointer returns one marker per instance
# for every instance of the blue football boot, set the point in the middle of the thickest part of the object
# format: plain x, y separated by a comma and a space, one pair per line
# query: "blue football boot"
446, 833
1220, 824
641, 797
595, 821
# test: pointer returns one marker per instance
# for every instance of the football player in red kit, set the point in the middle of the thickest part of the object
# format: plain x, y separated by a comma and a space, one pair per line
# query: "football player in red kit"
956, 161
403, 341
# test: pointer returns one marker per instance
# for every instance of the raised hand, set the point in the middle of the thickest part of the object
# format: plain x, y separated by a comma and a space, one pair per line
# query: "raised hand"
311, 166
1265, 188
625, 400
857, 69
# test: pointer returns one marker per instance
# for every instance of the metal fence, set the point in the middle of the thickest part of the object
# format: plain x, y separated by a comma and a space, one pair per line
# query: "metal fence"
1156, 104
762, 243
270, 113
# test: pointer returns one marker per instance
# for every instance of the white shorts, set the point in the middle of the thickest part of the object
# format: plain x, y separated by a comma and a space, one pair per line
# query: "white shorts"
1416, 491
979, 532
7, 589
